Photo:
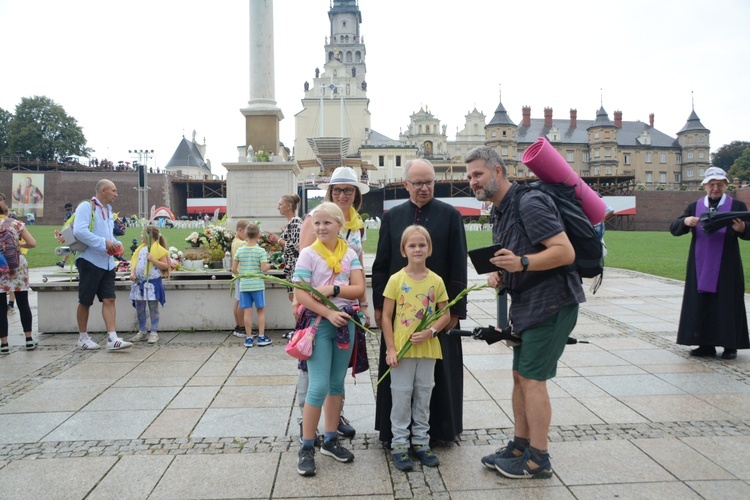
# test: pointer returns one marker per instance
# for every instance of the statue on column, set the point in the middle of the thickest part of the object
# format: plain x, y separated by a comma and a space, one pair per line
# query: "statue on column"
307, 86
364, 85
317, 73
354, 71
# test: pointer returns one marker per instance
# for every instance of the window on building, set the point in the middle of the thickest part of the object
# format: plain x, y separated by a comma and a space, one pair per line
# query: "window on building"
690, 156
649, 158
398, 160
690, 173
596, 170
607, 170
585, 156
663, 158
570, 156
649, 177
596, 135
504, 151
606, 135
521, 172
700, 139
608, 152
700, 155
381, 161
344, 23
494, 133
678, 159
596, 153
627, 159
677, 177
585, 173
519, 154
662, 177
701, 172
505, 133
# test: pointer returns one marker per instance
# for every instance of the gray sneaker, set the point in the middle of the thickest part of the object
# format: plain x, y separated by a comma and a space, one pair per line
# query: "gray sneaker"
139, 337
509, 451
306, 462
333, 449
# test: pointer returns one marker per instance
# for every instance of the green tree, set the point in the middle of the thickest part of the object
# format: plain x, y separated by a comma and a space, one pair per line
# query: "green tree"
741, 166
724, 156
5, 118
42, 127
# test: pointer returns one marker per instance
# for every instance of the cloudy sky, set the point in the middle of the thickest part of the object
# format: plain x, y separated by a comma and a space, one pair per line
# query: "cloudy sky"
140, 74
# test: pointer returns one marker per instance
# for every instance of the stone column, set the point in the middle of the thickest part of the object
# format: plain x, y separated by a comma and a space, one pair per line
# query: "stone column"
254, 187
262, 115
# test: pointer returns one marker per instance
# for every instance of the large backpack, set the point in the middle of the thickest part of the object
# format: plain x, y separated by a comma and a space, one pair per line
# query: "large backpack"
66, 236
9, 245
589, 261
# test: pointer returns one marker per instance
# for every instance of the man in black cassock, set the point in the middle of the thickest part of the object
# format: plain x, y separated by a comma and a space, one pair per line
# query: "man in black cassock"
448, 260
713, 304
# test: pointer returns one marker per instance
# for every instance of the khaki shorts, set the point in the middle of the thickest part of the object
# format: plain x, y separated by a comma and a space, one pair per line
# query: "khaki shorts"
543, 344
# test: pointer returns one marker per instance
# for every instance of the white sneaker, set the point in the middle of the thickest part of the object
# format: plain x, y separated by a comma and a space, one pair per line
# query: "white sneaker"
117, 344
139, 337
153, 338
238, 333
88, 344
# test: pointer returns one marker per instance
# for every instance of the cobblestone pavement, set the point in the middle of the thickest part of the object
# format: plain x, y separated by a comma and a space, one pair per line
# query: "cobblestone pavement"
624, 342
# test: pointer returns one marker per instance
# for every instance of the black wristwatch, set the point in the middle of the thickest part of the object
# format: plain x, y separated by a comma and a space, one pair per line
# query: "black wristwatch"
336, 290
524, 263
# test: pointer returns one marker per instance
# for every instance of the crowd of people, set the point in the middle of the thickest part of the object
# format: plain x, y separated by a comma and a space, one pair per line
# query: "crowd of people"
419, 266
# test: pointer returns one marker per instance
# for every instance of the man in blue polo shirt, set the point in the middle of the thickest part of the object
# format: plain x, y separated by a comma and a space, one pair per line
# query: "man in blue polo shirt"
96, 264
545, 292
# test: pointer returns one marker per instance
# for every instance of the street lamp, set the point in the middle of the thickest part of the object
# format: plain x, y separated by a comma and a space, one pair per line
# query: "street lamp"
143, 155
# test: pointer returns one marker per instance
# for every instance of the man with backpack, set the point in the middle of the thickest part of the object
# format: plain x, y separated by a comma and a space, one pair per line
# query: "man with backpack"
535, 267
93, 226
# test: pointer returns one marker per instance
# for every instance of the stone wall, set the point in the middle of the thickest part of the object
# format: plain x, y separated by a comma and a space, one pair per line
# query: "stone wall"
73, 187
655, 210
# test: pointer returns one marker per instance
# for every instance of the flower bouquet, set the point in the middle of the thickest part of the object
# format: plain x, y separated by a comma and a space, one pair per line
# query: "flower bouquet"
176, 257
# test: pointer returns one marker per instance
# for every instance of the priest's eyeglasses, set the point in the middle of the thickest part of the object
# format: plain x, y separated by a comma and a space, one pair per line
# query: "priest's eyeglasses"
421, 184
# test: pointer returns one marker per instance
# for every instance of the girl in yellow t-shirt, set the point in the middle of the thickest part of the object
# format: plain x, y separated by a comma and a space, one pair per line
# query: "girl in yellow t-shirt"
410, 294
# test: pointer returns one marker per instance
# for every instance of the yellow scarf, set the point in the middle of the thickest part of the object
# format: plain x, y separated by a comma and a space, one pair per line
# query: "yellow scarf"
157, 252
355, 222
333, 259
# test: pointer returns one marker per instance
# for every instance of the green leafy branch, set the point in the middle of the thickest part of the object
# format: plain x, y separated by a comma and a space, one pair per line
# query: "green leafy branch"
302, 285
428, 320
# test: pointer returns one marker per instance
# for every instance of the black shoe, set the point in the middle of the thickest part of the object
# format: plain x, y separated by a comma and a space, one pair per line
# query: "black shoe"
306, 462
31, 345
729, 354
60, 264
345, 428
703, 351
333, 449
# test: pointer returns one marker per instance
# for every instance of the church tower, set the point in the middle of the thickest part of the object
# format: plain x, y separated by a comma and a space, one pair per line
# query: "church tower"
335, 105
693, 140
501, 134
602, 137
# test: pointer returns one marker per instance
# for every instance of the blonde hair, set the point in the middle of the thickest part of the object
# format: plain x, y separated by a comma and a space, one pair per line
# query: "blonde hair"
293, 200
242, 224
333, 210
411, 231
